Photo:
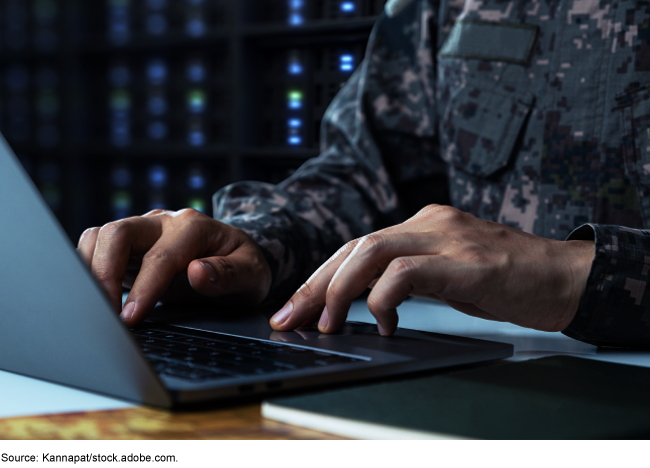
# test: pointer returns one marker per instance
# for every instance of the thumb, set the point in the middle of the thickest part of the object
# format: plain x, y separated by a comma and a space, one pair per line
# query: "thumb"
244, 271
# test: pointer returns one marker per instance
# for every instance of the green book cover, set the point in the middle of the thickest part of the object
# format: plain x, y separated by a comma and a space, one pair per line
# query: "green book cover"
559, 397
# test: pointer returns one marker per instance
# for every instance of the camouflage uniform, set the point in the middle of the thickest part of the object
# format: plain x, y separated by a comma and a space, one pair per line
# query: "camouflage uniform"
534, 114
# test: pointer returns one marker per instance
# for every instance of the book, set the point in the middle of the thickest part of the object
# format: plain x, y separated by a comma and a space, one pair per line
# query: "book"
557, 397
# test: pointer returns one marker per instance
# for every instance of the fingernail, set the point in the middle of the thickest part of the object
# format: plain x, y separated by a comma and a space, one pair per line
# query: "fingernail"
324, 320
283, 314
382, 330
127, 312
210, 271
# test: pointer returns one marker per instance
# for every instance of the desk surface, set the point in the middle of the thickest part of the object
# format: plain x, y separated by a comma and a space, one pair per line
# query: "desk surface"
245, 422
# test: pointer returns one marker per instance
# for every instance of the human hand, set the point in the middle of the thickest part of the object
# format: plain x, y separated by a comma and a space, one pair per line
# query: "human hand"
481, 268
174, 256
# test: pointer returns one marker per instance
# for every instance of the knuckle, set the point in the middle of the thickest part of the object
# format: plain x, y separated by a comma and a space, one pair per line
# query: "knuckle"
189, 214
86, 235
442, 212
305, 291
335, 294
114, 229
371, 243
344, 251
401, 267
156, 212
376, 304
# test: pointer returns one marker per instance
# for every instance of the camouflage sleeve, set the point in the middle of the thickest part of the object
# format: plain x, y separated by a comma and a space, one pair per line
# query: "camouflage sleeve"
614, 310
347, 192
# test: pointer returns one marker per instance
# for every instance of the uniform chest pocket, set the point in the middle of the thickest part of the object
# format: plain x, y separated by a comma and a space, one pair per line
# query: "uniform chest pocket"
479, 128
635, 114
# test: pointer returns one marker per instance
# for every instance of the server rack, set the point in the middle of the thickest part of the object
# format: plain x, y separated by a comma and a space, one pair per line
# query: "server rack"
122, 106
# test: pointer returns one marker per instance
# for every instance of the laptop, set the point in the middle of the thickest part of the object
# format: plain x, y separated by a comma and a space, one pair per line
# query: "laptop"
57, 325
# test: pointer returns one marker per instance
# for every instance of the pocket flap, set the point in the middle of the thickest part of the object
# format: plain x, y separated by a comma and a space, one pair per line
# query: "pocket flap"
487, 40
479, 129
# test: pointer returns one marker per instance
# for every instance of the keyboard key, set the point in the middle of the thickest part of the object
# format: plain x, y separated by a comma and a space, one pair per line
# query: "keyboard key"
201, 358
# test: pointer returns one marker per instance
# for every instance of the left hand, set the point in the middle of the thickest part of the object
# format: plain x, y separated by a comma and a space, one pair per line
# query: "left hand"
478, 267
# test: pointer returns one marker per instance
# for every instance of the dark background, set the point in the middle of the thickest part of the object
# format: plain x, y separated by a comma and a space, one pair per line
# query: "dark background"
117, 107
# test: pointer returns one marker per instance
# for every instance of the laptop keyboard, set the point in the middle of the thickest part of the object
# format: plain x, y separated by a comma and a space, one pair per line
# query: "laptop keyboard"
199, 358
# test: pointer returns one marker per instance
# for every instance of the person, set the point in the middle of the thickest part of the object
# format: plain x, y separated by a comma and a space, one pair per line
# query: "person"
491, 154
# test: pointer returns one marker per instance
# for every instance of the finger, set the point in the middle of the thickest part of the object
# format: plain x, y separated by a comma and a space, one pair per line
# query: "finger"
405, 276
369, 258
86, 246
307, 304
427, 276
169, 256
116, 242
239, 273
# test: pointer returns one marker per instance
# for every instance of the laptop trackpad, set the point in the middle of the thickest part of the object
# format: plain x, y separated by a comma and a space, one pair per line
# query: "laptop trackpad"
365, 336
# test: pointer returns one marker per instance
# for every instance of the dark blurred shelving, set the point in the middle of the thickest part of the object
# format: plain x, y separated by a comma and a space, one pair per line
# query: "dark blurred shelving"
116, 107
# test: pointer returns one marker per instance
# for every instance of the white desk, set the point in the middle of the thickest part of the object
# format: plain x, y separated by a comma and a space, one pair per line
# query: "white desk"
22, 396
433, 316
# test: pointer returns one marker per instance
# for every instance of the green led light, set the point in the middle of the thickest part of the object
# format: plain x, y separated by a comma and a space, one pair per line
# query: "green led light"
48, 103
45, 10
120, 100
196, 97
121, 200
197, 204
295, 95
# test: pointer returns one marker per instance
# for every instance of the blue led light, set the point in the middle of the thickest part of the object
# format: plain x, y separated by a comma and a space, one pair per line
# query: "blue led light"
295, 123
195, 27
156, 4
157, 71
296, 19
295, 69
295, 100
295, 140
157, 130
196, 72
196, 138
346, 63
120, 133
196, 181
157, 176
296, 4
347, 6
118, 25
157, 105
156, 24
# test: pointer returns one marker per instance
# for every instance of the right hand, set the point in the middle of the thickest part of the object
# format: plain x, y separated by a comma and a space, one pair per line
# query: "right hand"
181, 256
